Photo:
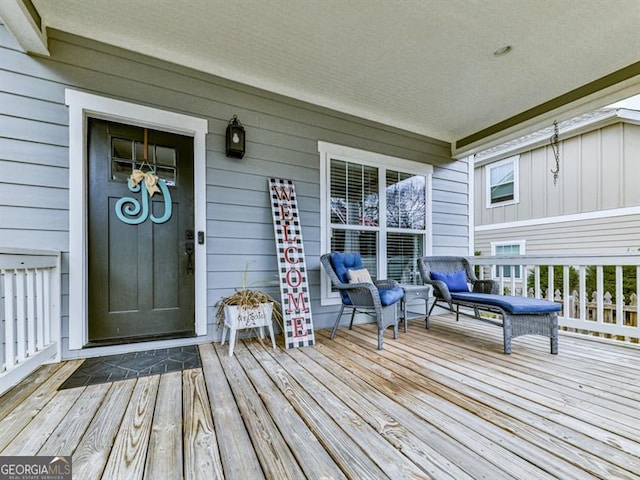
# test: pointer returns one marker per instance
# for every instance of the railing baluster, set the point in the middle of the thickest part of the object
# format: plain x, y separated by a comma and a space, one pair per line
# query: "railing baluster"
619, 297
583, 292
39, 310
596, 311
599, 294
46, 301
9, 339
21, 319
31, 314
566, 294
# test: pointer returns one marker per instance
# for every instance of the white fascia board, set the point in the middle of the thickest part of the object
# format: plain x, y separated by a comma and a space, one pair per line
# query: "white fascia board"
576, 217
19, 21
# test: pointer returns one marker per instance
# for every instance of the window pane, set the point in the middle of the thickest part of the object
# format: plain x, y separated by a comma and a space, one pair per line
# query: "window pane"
121, 170
354, 194
166, 156
140, 153
406, 204
167, 174
338, 192
502, 174
403, 251
509, 250
121, 148
502, 193
357, 241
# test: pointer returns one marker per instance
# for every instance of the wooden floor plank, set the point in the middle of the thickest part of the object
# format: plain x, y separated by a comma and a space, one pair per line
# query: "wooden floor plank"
484, 454
36, 433
67, 435
310, 453
567, 406
276, 459
13, 423
386, 421
579, 433
443, 403
530, 375
201, 457
164, 457
239, 460
92, 453
23, 390
128, 455
539, 448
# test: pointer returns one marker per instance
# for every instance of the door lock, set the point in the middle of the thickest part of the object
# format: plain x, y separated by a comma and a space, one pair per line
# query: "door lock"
188, 250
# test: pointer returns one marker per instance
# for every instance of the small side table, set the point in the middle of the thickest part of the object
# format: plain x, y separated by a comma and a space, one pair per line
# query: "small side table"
413, 292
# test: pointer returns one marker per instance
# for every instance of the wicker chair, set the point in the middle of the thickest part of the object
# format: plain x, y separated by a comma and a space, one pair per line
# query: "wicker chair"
379, 299
520, 315
441, 292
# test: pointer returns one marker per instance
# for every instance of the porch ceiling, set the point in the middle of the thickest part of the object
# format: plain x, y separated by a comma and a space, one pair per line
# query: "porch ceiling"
426, 66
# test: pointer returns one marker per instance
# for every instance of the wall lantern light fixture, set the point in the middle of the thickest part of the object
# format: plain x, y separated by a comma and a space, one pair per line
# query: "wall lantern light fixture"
235, 138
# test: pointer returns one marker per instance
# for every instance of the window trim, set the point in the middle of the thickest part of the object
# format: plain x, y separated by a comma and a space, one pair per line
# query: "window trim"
515, 160
521, 244
330, 151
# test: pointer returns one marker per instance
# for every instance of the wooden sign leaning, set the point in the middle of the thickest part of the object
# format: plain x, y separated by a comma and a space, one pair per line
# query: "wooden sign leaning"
294, 286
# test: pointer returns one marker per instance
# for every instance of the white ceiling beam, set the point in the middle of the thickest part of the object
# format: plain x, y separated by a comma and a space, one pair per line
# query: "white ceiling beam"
25, 24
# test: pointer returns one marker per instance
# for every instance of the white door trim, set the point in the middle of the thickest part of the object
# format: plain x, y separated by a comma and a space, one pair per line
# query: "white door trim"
82, 105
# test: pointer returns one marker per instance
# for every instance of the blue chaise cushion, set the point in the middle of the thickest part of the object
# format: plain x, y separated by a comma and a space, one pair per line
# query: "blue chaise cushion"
455, 281
509, 303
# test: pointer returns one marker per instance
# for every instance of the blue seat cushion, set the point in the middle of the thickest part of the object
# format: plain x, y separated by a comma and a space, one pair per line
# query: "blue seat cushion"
509, 303
455, 281
389, 296
343, 262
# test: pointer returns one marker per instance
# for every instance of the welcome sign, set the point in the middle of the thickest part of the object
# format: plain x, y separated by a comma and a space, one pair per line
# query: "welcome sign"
294, 287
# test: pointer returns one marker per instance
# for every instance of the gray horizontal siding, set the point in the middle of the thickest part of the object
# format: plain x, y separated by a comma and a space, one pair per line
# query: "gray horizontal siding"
282, 136
603, 236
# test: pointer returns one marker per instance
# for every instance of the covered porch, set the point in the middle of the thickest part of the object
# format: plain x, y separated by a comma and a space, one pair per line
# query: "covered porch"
438, 403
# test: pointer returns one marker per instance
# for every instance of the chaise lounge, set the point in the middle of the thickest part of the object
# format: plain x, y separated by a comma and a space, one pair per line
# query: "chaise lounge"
450, 278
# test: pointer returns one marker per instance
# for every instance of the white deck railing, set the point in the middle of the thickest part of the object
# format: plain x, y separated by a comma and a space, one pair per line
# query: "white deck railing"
29, 312
599, 311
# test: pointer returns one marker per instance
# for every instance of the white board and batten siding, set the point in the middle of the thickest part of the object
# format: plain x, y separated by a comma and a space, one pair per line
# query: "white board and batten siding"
593, 208
282, 138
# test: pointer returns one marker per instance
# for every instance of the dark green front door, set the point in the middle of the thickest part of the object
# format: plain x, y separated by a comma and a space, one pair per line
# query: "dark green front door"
141, 275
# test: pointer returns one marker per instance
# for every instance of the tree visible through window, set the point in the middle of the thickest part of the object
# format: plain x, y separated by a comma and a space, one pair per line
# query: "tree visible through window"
379, 211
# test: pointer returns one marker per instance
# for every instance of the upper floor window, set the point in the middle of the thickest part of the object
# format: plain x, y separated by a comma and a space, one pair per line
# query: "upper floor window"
502, 182
375, 205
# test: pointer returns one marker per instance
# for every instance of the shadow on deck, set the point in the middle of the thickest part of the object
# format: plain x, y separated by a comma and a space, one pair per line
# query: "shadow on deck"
438, 403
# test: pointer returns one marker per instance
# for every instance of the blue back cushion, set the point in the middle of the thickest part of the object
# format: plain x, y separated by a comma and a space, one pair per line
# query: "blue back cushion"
343, 262
456, 281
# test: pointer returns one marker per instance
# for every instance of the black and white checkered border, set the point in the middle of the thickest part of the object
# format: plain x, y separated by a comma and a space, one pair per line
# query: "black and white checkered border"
295, 232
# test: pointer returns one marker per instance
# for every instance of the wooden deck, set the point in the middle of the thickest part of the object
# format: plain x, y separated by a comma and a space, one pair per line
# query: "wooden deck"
443, 403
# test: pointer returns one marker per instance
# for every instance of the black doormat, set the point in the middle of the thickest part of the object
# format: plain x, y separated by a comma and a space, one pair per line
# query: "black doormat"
133, 365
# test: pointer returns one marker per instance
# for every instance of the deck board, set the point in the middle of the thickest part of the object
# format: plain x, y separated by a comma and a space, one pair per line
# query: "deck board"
442, 403
164, 456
